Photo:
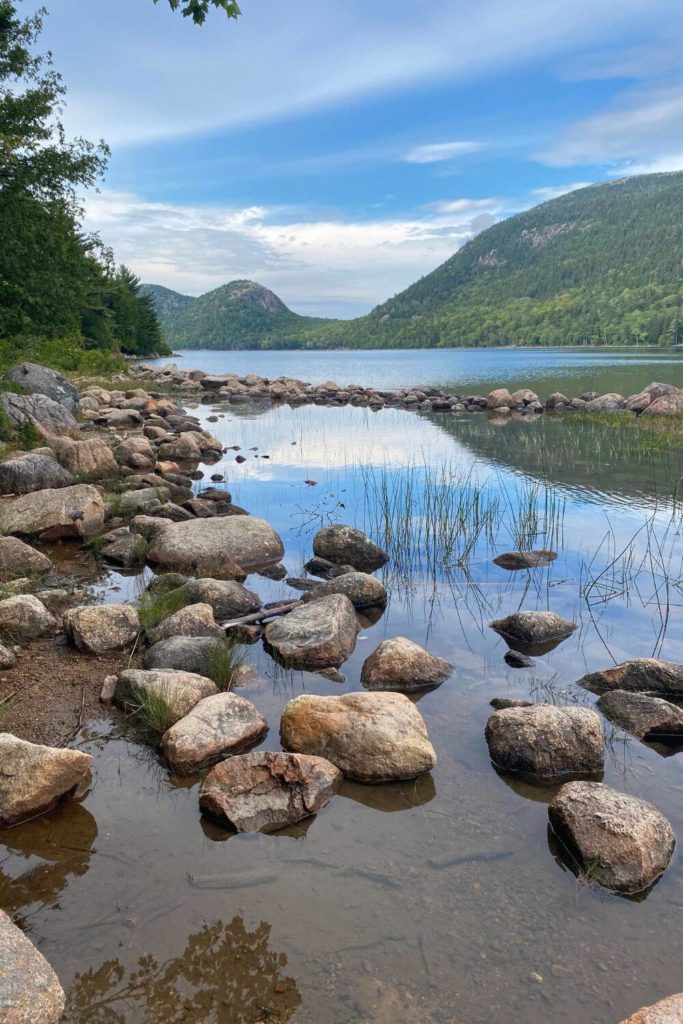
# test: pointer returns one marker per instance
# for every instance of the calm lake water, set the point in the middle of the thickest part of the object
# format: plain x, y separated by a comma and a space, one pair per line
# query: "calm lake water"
462, 370
438, 901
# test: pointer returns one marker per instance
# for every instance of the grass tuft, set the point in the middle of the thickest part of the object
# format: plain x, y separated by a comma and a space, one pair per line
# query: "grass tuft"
224, 660
154, 607
152, 716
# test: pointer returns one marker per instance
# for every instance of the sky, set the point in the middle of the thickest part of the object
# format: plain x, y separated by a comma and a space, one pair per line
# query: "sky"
338, 150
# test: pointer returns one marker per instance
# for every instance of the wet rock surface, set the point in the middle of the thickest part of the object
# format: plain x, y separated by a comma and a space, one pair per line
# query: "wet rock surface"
624, 843
546, 744
33, 778
266, 791
638, 674
402, 665
514, 560
644, 716
371, 737
101, 628
217, 727
533, 633
321, 634
30, 992
362, 590
345, 545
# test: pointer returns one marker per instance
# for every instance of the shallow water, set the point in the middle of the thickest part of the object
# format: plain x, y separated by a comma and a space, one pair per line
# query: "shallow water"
438, 900
461, 370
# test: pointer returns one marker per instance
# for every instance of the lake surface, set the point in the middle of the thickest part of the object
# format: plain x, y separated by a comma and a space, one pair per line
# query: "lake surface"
438, 901
461, 370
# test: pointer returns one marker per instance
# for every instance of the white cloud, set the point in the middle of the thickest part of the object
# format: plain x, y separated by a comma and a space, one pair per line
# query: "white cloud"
438, 151
553, 191
463, 207
659, 165
329, 267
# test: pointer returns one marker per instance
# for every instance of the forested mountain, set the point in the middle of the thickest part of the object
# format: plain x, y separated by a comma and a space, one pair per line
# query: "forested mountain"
602, 264
166, 302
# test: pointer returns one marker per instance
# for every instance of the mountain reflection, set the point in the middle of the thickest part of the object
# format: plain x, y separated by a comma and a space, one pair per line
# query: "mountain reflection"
225, 975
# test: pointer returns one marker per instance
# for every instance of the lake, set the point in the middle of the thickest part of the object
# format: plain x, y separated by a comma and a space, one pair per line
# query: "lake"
437, 901
462, 370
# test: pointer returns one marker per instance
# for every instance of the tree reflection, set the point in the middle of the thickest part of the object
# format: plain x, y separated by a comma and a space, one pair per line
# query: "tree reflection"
225, 975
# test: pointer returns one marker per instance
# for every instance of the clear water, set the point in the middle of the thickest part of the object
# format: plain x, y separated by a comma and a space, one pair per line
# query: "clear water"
431, 901
464, 371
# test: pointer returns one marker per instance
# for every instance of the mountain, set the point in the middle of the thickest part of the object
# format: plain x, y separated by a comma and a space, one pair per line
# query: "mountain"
602, 264
166, 302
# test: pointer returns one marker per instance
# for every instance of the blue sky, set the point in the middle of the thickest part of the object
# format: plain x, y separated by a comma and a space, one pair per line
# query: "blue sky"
337, 150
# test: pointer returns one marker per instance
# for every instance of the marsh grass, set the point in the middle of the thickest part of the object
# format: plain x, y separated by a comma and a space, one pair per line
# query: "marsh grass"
154, 607
224, 660
151, 716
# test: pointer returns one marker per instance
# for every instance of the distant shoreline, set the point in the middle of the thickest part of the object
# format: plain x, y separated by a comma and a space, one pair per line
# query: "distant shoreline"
664, 349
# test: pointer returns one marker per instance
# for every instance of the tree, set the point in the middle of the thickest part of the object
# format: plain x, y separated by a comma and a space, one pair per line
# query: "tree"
198, 9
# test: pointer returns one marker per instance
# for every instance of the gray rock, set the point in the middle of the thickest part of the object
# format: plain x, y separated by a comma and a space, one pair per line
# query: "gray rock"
166, 582
217, 727
624, 843
648, 718
180, 690
501, 703
24, 617
18, 559
185, 653
225, 547
7, 657
46, 416
123, 548
667, 405
399, 664
193, 620
533, 632
30, 992
90, 459
33, 379
32, 472
611, 402
639, 674
513, 560
499, 399
345, 545
229, 599
362, 590
34, 778
318, 635
76, 511
136, 502
515, 659
98, 629
371, 737
544, 743
325, 569
266, 791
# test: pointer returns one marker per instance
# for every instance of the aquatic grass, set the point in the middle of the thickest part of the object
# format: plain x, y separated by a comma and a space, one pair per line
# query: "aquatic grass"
151, 715
224, 660
154, 607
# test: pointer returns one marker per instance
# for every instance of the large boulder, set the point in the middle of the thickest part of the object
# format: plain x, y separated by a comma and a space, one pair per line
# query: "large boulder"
30, 992
136, 453
76, 511
222, 546
98, 629
33, 379
185, 653
362, 590
193, 620
266, 791
638, 674
666, 1011
667, 405
500, 398
24, 617
533, 632
217, 727
345, 545
399, 664
228, 598
18, 559
181, 691
611, 402
32, 472
648, 718
90, 459
317, 635
371, 737
624, 843
34, 778
545, 743
37, 411
514, 560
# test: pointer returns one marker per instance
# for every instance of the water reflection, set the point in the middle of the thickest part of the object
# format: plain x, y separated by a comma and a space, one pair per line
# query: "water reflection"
564, 857
392, 796
226, 974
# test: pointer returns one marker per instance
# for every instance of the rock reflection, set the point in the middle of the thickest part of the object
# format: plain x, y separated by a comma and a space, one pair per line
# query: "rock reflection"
62, 840
392, 796
563, 856
225, 975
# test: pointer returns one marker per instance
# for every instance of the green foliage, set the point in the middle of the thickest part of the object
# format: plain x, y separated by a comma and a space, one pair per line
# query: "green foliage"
154, 607
28, 436
198, 9
152, 715
224, 660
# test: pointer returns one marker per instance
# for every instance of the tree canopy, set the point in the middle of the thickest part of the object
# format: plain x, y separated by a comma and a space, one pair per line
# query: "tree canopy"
198, 9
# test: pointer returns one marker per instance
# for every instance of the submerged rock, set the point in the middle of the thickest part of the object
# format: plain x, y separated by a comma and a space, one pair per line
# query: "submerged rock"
24, 617
33, 471
533, 632
30, 992
76, 511
181, 691
666, 1011
648, 718
225, 547
544, 743
515, 659
399, 664
193, 620
648, 674
362, 590
33, 778
346, 545
18, 559
317, 635
624, 843
371, 737
266, 791
513, 560
101, 628
501, 703
217, 727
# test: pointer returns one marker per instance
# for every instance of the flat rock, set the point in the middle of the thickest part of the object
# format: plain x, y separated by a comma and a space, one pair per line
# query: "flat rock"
193, 620
266, 791
533, 632
514, 560
362, 590
624, 843
225, 547
33, 778
648, 718
47, 416
186, 653
229, 599
101, 628
371, 737
545, 743
30, 992
51, 514
316, 635
24, 617
181, 691
666, 1011
90, 459
637, 674
399, 664
345, 545
33, 379
500, 703
18, 559
32, 472
217, 727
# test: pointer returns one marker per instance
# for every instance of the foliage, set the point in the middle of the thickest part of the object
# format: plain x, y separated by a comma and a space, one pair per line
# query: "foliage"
224, 660
152, 715
155, 606
198, 9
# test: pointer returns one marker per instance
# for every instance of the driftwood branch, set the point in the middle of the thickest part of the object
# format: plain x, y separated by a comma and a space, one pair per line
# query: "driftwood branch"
261, 616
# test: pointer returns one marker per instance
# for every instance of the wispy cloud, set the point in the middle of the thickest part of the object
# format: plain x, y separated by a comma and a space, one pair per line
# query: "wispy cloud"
542, 195
436, 152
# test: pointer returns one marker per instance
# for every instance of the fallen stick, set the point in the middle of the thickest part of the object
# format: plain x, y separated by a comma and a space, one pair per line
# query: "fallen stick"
265, 613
